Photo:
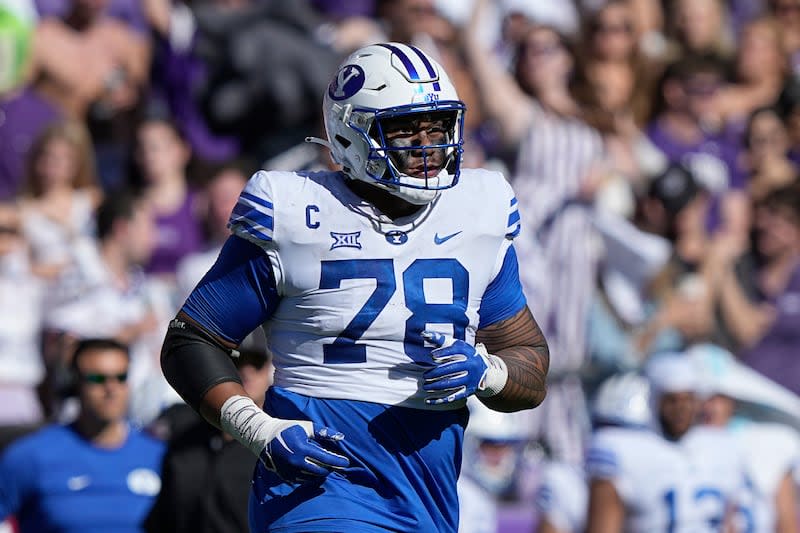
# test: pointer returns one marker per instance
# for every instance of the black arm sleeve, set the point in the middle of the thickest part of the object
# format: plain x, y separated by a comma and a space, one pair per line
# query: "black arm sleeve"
193, 362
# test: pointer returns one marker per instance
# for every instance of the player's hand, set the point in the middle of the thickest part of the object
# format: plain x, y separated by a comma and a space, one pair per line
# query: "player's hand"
460, 370
301, 453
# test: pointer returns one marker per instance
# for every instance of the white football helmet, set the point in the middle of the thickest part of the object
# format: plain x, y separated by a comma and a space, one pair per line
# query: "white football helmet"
494, 444
377, 85
624, 400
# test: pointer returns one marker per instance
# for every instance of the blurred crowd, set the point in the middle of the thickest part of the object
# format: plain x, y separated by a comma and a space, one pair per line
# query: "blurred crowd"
654, 147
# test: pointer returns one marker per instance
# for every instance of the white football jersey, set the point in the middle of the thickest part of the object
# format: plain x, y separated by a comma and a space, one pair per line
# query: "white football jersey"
682, 487
770, 451
477, 508
563, 497
718, 472
357, 288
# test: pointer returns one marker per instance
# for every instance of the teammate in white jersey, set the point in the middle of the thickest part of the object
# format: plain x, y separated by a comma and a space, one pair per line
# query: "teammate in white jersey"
389, 293
494, 460
750, 406
621, 405
562, 499
680, 479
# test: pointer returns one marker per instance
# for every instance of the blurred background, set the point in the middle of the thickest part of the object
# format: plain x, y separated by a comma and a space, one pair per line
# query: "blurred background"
654, 147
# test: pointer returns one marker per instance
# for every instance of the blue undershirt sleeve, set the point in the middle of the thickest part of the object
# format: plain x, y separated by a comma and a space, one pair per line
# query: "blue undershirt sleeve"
503, 297
237, 294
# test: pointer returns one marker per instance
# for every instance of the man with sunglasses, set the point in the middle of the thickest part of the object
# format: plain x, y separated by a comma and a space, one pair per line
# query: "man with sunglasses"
97, 473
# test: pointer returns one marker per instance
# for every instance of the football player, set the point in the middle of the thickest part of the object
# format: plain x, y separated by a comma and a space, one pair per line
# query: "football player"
495, 446
389, 292
757, 413
561, 499
680, 478
621, 408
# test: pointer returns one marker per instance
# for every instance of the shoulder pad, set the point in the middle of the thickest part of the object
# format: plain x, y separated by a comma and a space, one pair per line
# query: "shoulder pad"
492, 186
252, 217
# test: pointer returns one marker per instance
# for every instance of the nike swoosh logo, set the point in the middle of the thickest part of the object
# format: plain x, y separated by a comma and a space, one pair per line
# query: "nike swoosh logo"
440, 240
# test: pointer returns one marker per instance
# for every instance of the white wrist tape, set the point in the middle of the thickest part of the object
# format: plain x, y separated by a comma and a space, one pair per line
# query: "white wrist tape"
496, 374
243, 420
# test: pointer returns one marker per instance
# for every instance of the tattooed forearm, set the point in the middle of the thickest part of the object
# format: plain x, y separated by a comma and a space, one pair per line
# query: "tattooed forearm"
521, 344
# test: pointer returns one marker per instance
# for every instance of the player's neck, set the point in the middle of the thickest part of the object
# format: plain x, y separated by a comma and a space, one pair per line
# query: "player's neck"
388, 204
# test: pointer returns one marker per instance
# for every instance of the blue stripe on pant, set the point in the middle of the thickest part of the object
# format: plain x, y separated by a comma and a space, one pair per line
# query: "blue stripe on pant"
404, 467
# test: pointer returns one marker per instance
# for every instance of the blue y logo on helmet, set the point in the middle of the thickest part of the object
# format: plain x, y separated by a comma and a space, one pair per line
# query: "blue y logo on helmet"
348, 81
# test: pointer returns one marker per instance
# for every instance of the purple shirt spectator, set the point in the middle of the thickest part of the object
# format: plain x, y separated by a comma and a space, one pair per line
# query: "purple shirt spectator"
777, 354
179, 234
22, 118
713, 160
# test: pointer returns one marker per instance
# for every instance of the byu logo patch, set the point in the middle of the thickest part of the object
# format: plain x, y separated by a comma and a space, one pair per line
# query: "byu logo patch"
348, 81
396, 237
346, 240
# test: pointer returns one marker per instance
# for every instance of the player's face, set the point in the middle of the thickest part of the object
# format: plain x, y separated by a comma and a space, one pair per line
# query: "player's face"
717, 410
417, 131
102, 384
495, 465
678, 411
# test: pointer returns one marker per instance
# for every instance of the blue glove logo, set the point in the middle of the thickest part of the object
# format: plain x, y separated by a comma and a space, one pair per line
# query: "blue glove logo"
459, 370
297, 458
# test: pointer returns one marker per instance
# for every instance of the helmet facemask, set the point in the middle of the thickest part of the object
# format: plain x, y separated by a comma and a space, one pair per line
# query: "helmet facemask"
416, 152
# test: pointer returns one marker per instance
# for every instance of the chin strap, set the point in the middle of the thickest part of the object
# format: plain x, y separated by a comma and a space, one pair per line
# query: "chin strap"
317, 140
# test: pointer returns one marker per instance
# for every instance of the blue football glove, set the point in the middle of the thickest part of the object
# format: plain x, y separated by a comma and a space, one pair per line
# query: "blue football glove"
301, 453
461, 370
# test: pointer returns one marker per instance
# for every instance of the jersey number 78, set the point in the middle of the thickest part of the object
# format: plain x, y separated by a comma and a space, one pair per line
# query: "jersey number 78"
346, 349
